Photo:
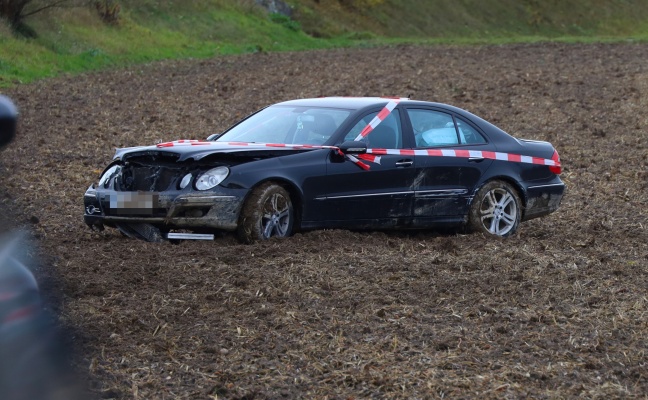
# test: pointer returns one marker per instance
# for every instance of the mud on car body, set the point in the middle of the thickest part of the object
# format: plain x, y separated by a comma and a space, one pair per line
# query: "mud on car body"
356, 163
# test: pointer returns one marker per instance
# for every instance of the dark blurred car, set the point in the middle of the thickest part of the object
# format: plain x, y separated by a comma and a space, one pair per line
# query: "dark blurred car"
32, 359
8, 121
356, 163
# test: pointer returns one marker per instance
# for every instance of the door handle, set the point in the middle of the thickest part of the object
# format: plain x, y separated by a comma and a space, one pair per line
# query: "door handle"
404, 163
475, 159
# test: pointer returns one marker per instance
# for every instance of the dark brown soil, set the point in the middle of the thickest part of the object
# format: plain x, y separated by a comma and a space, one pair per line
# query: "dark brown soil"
559, 310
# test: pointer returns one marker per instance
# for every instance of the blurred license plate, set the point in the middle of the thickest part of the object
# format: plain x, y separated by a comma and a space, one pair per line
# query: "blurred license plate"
134, 202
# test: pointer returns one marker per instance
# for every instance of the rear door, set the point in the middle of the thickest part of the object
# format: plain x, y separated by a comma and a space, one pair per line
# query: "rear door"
446, 177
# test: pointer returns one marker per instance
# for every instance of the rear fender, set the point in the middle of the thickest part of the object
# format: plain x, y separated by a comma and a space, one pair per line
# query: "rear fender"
516, 185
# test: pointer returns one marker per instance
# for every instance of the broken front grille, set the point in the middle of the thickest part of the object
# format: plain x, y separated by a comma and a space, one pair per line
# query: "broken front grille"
147, 178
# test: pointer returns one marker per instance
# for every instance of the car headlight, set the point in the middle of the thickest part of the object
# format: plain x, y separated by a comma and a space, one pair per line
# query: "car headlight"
104, 181
211, 178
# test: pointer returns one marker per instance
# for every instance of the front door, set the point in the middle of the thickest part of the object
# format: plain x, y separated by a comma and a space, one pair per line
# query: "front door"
378, 197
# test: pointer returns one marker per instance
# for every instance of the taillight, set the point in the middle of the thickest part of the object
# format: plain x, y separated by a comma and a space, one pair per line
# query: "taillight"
556, 169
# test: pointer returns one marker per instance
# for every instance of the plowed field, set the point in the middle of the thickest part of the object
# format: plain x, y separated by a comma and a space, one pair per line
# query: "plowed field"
559, 310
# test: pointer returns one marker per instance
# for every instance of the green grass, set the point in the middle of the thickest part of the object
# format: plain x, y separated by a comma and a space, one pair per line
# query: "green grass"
75, 40
479, 18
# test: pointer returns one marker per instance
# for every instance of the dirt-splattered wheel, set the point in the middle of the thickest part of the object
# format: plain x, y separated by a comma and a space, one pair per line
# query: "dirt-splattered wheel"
267, 213
495, 210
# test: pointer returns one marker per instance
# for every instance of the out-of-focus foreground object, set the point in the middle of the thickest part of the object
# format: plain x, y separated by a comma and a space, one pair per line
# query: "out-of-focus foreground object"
8, 120
32, 358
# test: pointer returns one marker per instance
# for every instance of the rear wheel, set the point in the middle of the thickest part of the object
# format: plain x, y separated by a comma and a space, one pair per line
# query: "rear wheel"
268, 212
495, 210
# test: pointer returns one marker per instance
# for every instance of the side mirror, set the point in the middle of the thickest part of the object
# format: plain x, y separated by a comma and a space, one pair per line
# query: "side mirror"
353, 147
214, 136
8, 120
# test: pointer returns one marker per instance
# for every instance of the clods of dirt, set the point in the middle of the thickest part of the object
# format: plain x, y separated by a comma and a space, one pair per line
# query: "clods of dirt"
558, 310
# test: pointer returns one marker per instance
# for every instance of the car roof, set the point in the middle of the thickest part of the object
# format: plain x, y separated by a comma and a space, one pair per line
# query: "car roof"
351, 103
356, 103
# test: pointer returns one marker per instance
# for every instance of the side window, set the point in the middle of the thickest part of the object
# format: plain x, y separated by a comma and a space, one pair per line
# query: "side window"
433, 128
468, 134
386, 135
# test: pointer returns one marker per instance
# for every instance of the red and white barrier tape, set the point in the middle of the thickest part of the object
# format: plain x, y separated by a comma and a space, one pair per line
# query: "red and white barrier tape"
275, 145
370, 157
178, 143
373, 155
490, 155
384, 113
184, 142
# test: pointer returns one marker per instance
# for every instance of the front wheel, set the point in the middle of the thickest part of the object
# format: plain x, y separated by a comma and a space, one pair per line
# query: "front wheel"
268, 212
496, 209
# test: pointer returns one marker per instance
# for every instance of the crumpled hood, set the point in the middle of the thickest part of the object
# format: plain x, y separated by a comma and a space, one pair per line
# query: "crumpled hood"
196, 150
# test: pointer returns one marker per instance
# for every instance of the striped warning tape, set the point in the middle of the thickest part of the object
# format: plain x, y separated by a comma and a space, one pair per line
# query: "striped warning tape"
280, 145
191, 142
250, 144
373, 155
490, 155
384, 113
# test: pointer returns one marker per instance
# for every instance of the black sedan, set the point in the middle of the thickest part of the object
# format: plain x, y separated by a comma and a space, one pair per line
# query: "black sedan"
354, 163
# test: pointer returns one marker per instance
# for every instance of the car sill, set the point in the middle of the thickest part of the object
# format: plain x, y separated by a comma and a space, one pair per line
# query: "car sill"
441, 193
362, 195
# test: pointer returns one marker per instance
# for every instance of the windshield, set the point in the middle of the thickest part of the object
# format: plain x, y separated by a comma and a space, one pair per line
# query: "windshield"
288, 125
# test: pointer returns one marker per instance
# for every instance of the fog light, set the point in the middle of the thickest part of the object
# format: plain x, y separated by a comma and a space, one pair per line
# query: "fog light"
195, 213
185, 181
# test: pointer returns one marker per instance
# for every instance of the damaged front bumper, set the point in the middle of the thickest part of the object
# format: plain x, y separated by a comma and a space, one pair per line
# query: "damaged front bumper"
193, 211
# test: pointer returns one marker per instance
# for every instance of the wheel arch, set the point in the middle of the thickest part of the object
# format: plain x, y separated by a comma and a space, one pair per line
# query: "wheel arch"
296, 195
513, 182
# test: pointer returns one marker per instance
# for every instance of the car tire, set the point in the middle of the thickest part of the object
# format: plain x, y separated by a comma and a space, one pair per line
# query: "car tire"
268, 212
495, 210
